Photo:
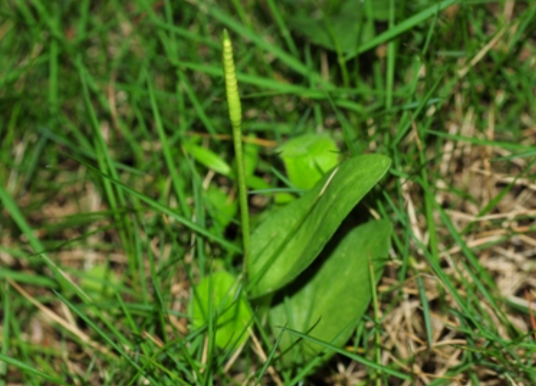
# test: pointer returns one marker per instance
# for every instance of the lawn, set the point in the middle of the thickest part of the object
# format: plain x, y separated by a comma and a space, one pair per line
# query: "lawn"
389, 185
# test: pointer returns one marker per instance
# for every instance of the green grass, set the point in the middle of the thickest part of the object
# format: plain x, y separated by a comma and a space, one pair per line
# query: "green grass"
97, 100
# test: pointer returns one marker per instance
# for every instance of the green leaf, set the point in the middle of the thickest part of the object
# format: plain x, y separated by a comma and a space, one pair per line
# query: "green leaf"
251, 156
289, 240
342, 29
99, 281
308, 157
224, 208
24, 367
283, 198
219, 294
208, 158
330, 297
257, 183
251, 159
380, 9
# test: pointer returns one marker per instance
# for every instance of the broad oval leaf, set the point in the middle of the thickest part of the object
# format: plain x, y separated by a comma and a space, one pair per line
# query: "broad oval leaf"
218, 297
327, 301
308, 157
290, 239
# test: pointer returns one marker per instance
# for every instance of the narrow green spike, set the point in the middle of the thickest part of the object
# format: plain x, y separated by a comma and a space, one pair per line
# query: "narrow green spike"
235, 115
231, 85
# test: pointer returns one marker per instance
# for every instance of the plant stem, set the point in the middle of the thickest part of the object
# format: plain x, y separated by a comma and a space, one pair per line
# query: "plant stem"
235, 115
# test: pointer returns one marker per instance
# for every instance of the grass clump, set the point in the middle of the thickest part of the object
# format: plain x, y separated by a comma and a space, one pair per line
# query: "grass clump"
118, 191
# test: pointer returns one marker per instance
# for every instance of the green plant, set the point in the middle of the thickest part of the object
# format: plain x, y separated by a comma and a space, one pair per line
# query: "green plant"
133, 90
306, 158
304, 270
